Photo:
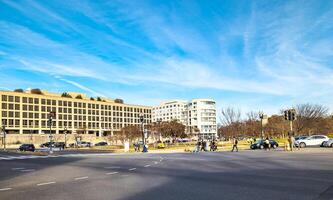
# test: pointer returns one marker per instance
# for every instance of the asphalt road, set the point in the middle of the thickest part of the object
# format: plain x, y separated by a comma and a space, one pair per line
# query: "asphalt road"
222, 175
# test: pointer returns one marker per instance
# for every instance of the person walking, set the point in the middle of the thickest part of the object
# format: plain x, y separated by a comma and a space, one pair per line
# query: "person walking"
203, 145
291, 142
266, 144
234, 146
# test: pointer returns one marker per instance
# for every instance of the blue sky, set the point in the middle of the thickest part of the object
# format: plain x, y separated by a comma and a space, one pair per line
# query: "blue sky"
253, 55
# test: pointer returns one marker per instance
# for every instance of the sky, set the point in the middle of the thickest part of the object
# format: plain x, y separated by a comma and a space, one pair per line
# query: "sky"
252, 55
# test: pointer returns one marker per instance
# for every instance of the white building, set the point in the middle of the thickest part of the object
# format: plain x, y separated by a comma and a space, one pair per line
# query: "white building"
168, 111
198, 115
201, 117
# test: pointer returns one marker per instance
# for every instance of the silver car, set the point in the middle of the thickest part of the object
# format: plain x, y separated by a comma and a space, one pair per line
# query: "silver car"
328, 143
314, 140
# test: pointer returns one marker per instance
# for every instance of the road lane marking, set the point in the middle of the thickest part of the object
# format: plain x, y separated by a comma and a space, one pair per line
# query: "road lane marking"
156, 162
111, 167
147, 166
18, 168
81, 178
5, 189
110, 173
132, 169
27, 170
47, 183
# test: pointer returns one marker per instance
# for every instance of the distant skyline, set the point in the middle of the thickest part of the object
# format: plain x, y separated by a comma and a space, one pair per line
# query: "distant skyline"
251, 55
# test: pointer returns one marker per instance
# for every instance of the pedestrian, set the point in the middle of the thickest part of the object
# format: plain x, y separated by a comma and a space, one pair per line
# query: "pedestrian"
234, 146
291, 142
203, 145
212, 146
266, 144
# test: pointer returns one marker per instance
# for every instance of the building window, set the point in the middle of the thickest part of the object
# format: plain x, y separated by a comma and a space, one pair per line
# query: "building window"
4, 97
17, 99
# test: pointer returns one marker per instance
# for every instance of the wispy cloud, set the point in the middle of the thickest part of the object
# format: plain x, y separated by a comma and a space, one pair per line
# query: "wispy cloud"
254, 51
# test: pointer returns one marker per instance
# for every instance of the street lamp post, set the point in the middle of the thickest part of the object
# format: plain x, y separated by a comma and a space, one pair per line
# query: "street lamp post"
261, 116
159, 128
4, 134
50, 121
65, 131
143, 132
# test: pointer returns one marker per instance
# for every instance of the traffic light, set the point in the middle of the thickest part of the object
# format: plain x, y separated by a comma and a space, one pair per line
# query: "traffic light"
286, 115
293, 115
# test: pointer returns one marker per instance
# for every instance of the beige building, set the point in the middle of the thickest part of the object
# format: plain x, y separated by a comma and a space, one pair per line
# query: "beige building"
27, 112
169, 110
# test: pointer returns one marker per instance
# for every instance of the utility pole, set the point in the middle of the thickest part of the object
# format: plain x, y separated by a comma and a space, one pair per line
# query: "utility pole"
143, 132
261, 116
65, 131
50, 122
4, 134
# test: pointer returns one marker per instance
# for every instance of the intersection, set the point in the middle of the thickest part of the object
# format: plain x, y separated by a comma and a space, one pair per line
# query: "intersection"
223, 175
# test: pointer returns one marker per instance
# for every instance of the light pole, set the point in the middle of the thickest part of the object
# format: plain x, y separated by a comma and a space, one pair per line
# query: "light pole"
4, 134
50, 121
143, 133
159, 128
30, 124
65, 131
261, 116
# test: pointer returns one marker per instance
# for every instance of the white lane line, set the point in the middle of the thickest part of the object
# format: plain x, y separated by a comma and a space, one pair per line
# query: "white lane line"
18, 168
27, 170
156, 162
81, 178
132, 169
111, 173
147, 166
5, 189
47, 183
111, 167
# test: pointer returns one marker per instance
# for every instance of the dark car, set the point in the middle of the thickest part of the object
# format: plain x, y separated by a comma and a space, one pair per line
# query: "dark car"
59, 145
47, 144
101, 144
259, 144
27, 147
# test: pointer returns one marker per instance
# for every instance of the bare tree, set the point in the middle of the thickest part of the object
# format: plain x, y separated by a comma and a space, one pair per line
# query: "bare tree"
252, 116
309, 117
229, 116
231, 123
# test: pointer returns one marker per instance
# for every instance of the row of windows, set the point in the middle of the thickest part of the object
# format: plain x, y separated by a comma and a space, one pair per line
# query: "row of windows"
30, 100
77, 125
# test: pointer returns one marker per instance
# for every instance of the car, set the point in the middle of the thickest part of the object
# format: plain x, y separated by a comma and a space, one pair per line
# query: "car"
328, 143
59, 145
259, 144
83, 144
47, 144
314, 140
27, 147
101, 144
301, 137
160, 145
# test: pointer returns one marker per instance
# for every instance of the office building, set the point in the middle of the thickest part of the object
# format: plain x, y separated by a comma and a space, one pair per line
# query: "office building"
27, 112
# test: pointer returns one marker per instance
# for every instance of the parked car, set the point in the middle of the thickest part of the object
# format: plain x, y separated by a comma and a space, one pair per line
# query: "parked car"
101, 144
160, 145
59, 145
301, 137
259, 144
314, 140
27, 147
84, 144
328, 143
47, 144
